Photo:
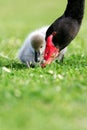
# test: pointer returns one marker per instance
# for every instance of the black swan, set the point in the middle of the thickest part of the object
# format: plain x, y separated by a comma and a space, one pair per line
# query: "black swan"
63, 30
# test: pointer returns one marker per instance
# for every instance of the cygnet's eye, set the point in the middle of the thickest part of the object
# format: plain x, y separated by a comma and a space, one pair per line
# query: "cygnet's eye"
41, 47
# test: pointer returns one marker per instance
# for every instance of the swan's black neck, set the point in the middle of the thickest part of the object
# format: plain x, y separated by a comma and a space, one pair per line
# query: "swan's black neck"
75, 9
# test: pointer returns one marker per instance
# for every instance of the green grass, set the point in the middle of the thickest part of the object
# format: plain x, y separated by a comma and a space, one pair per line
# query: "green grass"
53, 98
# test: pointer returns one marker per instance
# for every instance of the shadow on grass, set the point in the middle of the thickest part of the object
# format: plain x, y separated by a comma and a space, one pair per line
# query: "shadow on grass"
73, 60
16, 65
13, 64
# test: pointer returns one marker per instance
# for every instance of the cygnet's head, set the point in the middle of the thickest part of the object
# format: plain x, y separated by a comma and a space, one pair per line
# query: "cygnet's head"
38, 44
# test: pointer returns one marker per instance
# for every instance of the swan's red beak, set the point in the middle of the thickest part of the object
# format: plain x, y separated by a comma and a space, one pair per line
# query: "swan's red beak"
51, 52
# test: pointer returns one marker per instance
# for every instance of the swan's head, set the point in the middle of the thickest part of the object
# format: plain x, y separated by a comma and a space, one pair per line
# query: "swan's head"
51, 52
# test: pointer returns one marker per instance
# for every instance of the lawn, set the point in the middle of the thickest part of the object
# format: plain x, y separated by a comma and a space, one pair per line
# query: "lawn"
53, 98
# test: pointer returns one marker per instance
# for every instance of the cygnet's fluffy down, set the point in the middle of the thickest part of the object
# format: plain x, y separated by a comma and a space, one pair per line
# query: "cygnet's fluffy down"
32, 50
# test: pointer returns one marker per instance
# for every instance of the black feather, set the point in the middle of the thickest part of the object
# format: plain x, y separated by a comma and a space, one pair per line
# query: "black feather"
68, 25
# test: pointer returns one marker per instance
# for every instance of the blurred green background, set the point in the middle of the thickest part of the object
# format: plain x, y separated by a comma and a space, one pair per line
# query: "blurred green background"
54, 98
19, 18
